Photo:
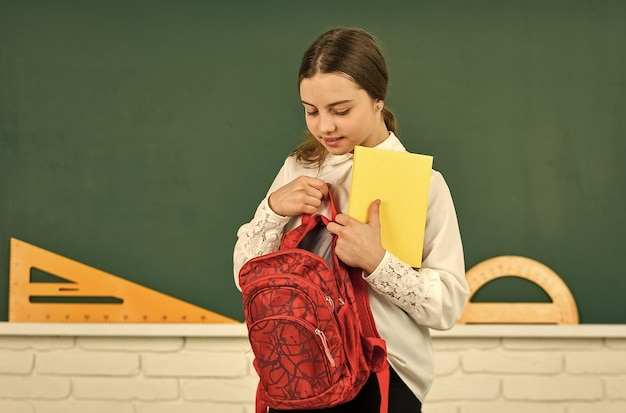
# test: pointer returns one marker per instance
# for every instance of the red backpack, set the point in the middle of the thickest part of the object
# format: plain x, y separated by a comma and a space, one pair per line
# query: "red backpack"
310, 324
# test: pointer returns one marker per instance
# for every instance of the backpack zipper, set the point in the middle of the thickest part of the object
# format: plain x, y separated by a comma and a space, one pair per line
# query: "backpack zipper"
321, 335
330, 302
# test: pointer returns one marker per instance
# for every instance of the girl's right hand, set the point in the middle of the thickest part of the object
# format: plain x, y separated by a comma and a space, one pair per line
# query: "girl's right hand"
303, 195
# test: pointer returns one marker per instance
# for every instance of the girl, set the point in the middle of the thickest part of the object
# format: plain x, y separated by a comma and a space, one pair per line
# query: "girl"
343, 82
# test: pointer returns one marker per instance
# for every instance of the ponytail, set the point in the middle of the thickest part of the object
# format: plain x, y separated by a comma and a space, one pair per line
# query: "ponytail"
390, 120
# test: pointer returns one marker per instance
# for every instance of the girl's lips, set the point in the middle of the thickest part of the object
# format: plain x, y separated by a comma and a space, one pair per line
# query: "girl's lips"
331, 141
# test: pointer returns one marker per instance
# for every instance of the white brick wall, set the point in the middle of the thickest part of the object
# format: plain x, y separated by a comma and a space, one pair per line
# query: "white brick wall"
77, 369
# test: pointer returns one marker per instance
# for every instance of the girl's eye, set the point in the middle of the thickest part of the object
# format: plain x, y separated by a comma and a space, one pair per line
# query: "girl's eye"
311, 113
342, 113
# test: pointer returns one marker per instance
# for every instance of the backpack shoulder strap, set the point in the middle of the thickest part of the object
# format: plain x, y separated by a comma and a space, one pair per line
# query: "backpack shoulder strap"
359, 286
375, 346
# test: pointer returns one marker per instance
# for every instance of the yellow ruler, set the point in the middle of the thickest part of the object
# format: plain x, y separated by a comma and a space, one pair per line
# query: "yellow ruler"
88, 295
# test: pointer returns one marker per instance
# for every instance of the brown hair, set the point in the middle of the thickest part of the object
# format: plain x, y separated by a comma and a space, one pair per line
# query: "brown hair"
352, 52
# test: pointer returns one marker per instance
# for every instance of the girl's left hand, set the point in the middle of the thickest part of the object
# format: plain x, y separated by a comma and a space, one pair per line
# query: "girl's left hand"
358, 244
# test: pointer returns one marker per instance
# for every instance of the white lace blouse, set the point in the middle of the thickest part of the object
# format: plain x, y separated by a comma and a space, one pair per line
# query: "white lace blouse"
405, 302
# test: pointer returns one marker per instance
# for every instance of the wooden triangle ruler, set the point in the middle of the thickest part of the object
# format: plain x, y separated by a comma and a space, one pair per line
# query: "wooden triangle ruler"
87, 295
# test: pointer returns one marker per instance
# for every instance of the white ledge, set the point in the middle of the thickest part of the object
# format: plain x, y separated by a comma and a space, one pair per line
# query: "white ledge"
535, 331
239, 330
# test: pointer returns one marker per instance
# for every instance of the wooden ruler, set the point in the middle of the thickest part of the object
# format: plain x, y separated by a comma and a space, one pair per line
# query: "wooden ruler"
562, 309
88, 295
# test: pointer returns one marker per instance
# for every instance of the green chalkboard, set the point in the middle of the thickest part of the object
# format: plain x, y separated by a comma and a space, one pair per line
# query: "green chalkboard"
136, 137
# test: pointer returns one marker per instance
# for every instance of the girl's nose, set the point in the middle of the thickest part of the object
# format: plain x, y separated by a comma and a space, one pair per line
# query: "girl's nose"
327, 124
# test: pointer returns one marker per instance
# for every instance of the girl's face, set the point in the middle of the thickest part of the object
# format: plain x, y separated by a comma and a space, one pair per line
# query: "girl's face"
340, 114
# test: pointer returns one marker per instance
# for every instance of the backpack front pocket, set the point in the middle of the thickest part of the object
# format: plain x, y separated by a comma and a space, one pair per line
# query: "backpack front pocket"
293, 358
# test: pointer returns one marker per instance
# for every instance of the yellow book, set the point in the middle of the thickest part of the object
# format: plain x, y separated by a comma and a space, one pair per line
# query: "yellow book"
401, 180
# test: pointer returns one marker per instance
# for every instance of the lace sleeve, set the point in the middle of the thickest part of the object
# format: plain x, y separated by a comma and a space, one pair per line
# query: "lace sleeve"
405, 286
263, 234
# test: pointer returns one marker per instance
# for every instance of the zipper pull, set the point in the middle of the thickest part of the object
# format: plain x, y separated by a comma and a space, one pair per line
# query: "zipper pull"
321, 335
330, 302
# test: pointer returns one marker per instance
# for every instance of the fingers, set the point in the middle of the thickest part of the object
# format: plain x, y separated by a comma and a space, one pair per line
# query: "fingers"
373, 213
310, 205
316, 187
333, 227
358, 244
315, 190
325, 189
341, 221
303, 195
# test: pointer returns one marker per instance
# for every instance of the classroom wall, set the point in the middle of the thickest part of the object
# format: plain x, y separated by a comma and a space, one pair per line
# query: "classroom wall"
119, 122
136, 137
478, 373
